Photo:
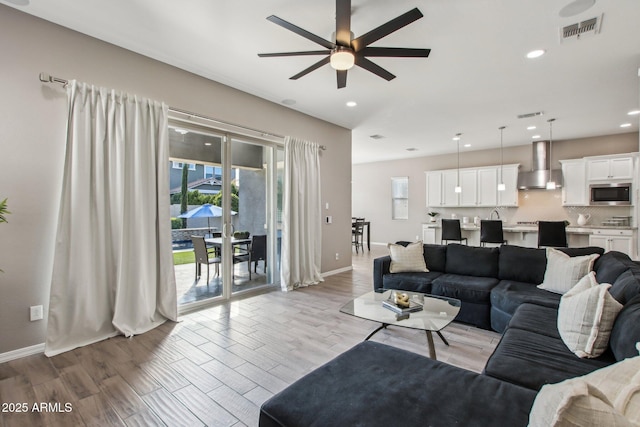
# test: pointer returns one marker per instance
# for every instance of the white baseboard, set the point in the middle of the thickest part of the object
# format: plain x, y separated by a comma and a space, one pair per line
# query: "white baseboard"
21, 352
340, 270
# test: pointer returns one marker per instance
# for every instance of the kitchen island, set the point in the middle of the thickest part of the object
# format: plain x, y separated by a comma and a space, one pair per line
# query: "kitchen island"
621, 238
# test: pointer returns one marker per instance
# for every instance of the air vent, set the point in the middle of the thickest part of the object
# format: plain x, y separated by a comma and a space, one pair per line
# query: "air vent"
376, 136
581, 29
529, 115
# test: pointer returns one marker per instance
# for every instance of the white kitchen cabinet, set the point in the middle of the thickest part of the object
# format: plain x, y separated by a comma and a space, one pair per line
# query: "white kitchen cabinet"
428, 234
487, 179
469, 184
574, 183
434, 189
613, 240
449, 183
508, 197
610, 168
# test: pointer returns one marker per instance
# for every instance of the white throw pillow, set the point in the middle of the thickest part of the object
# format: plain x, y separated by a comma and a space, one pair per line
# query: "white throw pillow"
618, 383
575, 403
586, 315
563, 271
407, 259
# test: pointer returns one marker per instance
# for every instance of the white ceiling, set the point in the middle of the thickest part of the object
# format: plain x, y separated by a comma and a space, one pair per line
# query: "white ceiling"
476, 79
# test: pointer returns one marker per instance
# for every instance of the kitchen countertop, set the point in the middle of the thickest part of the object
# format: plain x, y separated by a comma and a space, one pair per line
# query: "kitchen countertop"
530, 228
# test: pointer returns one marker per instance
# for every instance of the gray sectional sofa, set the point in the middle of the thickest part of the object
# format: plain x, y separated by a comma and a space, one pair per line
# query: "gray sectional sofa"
373, 384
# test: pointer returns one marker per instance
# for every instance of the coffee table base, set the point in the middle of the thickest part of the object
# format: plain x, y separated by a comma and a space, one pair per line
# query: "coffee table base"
432, 348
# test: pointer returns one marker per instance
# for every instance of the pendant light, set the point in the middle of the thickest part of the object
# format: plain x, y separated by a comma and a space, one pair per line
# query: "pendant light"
551, 184
501, 186
458, 189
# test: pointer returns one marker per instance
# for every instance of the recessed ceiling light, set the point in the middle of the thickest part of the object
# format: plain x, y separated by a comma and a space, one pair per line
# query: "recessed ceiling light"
288, 101
182, 131
412, 149
531, 127
625, 125
351, 103
208, 144
535, 137
467, 145
576, 7
633, 112
535, 53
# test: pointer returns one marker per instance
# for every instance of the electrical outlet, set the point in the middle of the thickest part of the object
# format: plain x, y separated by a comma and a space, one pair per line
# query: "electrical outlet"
337, 256
417, 237
35, 313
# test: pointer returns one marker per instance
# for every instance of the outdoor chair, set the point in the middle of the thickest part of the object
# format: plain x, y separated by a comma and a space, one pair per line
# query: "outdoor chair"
259, 251
203, 256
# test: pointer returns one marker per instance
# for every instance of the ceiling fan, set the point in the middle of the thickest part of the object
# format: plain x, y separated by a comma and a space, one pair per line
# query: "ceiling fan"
348, 51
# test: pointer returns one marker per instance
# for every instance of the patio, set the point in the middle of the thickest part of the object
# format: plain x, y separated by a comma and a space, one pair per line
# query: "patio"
191, 290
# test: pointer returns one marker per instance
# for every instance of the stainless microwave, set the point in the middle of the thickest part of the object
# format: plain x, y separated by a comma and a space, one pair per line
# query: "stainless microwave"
610, 194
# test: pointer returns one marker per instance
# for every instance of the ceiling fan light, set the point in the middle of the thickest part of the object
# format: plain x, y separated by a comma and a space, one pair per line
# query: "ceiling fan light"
342, 59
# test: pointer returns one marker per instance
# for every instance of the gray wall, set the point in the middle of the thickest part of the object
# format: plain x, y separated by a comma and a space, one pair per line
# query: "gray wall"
32, 136
371, 183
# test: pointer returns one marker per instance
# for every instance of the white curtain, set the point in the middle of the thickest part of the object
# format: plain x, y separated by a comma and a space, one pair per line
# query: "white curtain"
301, 215
113, 268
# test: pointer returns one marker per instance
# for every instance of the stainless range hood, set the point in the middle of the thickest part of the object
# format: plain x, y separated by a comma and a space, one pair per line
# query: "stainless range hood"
537, 178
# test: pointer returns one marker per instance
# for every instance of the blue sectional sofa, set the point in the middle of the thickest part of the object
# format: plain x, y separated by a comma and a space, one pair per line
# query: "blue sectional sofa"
373, 384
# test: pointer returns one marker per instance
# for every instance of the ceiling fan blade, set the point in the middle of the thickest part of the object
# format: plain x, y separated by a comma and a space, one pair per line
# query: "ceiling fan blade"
304, 53
395, 52
363, 62
343, 22
306, 71
342, 78
386, 29
299, 31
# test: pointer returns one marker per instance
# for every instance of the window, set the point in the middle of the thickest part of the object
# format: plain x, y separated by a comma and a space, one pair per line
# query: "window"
212, 172
178, 165
400, 197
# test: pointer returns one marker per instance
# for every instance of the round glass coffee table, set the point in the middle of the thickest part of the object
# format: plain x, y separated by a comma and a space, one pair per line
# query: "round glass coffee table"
436, 313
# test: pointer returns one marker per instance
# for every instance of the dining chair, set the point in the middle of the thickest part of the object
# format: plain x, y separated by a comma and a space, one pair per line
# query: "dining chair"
491, 232
451, 231
357, 233
259, 251
203, 256
552, 234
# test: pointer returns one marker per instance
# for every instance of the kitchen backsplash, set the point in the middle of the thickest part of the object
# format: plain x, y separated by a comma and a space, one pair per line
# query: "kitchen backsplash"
545, 205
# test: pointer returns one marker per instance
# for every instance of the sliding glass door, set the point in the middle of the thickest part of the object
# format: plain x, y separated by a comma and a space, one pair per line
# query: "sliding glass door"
224, 198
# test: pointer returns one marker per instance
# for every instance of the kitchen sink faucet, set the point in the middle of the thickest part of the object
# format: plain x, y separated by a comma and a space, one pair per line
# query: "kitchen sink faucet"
495, 211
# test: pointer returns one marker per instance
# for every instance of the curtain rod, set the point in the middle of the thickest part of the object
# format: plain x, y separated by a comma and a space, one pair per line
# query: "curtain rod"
46, 78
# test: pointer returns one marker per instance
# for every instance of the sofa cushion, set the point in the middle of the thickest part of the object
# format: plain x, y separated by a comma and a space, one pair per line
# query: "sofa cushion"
373, 384
464, 288
611, 265
472, 261
586, 315
434, 255
520, 264
407, 258
416, 282
564, 271
626, 330
626, 286
509, 295
532, 360
536, 318
582, 251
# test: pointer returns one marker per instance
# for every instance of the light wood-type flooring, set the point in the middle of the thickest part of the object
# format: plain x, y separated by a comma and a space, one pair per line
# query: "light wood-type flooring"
216, 366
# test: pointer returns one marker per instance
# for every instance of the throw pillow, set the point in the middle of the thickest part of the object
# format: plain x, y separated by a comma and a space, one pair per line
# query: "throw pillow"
575, 403
408, 258
618, 383
563, 271
586, 315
